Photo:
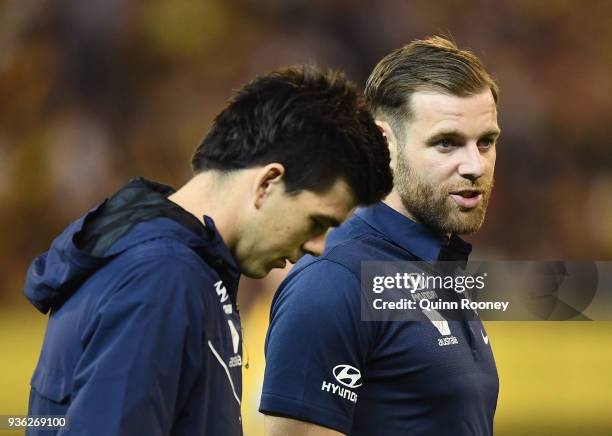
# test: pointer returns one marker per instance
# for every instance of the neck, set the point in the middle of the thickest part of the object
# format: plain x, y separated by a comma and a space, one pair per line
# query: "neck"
207, 194
395, 202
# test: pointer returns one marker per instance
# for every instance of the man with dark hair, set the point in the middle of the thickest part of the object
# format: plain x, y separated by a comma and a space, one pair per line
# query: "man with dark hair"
144, 335
328, 371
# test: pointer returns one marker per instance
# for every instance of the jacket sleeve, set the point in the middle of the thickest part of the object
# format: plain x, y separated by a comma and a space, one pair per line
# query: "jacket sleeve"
142, 352
316, 347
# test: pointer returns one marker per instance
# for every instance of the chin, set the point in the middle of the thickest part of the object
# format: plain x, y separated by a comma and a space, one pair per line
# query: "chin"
254, 271
256, 274
467, 225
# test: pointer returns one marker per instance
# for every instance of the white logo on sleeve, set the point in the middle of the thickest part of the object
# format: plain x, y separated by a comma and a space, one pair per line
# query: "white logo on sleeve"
348, 375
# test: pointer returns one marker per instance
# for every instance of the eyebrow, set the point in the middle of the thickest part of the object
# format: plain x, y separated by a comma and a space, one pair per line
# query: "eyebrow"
326, 220
456, 134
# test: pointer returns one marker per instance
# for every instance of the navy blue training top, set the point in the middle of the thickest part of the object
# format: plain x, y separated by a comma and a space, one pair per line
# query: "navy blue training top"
143, 336
326, 366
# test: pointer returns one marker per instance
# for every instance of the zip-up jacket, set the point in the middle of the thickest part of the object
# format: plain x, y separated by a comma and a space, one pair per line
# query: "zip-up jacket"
143, 336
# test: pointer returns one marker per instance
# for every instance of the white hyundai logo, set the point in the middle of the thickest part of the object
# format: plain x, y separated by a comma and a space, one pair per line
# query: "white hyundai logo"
347, 375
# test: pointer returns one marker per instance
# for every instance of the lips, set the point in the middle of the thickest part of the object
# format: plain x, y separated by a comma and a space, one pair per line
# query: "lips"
467, 198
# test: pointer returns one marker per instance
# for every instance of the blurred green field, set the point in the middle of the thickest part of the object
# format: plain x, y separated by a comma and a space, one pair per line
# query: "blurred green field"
556, 377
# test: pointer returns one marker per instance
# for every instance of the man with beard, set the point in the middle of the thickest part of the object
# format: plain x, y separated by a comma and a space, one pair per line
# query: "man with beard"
328, 371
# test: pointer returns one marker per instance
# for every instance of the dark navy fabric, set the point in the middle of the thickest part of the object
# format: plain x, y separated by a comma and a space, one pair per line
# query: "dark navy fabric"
326, 366
138, 340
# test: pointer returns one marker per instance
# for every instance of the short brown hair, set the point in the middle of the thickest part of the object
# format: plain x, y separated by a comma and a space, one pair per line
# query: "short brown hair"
430, 64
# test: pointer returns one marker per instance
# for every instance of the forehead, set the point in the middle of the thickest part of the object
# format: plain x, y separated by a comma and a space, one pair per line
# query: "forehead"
336, 202
434, 111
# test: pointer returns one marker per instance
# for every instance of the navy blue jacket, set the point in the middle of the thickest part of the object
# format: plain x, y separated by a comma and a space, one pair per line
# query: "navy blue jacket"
143, 336
326, 365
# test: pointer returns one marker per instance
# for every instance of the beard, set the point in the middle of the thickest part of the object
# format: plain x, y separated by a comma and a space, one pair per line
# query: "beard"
432, 205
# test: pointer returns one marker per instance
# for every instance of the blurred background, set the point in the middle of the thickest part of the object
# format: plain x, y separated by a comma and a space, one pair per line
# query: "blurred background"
95, 92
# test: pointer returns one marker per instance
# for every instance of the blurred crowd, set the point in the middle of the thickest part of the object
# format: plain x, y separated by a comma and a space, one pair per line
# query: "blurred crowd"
93, 93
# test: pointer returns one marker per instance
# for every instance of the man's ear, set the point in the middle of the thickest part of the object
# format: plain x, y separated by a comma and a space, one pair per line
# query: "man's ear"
267, 179
387, 132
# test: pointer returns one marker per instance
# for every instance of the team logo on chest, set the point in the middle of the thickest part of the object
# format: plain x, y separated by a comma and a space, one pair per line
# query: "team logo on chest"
223, 297
221, 290
443, 328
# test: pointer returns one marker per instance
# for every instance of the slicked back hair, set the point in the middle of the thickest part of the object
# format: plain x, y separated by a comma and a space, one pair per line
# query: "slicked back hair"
316, 124
433, 64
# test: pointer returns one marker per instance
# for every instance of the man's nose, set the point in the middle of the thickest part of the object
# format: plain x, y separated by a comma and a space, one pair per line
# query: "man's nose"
315, 246
472, 162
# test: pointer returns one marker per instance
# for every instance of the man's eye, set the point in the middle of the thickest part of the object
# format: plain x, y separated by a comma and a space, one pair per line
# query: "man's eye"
486, 143
444, 144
